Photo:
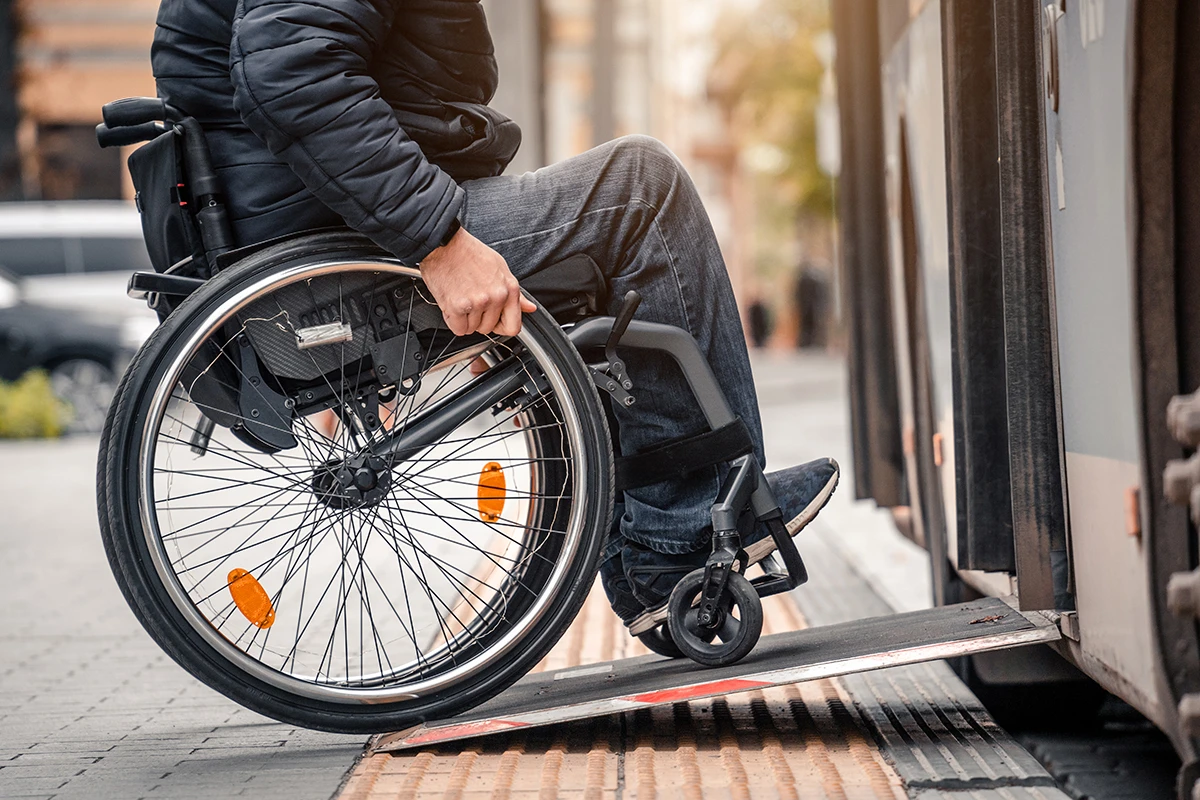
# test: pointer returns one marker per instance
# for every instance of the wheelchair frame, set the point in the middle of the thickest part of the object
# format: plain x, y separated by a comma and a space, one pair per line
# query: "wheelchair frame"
716, 589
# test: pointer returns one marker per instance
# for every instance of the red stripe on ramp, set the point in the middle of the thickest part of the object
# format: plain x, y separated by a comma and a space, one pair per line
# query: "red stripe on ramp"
467, 729
699, 690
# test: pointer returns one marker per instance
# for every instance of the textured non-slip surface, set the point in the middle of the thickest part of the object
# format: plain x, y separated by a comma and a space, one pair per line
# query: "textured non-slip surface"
819, 652
933, 730
800, 741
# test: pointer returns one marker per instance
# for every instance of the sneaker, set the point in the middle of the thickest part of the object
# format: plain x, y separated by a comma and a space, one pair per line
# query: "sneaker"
620, 592
806, 487
650, 576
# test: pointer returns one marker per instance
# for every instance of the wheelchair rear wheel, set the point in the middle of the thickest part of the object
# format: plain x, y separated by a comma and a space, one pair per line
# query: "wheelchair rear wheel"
326, 506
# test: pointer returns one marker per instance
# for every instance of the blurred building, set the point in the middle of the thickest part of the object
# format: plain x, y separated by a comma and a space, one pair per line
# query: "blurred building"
574, 73
72, 56
615, 67
517, 29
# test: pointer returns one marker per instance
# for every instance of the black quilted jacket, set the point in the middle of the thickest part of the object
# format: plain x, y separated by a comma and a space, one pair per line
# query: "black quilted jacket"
329, 112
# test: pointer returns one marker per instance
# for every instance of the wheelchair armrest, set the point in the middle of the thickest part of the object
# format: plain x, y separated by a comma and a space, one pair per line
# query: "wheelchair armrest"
145, 283
675, 342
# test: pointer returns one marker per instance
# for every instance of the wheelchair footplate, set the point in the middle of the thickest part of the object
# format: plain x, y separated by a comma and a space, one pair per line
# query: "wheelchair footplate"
629, 684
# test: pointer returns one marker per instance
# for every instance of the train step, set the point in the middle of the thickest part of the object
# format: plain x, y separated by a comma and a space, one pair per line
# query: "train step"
547, 698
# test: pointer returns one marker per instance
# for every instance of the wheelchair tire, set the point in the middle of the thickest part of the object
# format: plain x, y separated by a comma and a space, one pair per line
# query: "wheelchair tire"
658, 640
221, 532
739, 628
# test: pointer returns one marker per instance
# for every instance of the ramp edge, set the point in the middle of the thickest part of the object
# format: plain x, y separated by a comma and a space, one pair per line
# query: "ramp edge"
1043, 631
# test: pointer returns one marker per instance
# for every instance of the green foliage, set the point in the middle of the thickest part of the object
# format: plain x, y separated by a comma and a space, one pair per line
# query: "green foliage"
768, 75
29, 408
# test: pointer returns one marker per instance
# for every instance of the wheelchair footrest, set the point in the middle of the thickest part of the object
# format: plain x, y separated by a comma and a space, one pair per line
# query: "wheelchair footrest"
773, 583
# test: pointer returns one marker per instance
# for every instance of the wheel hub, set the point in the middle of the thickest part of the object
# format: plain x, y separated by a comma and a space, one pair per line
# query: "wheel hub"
356, 482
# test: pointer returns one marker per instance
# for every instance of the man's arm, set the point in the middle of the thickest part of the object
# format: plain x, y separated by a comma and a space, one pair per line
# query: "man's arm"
302, 84
300, 72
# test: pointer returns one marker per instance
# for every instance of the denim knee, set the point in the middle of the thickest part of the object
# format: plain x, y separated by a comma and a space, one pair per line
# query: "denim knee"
647, 156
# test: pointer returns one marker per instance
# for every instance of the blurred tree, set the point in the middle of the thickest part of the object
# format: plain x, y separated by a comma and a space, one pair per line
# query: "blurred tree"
768, 77
29, 409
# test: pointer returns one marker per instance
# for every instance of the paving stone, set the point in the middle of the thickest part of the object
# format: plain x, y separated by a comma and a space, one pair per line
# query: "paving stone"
91, 708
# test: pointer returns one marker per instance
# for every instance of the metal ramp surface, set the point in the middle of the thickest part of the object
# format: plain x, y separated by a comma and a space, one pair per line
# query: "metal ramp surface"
861, 645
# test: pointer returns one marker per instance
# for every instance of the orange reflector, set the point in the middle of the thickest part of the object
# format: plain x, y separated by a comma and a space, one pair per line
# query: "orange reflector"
491, 492
251, 598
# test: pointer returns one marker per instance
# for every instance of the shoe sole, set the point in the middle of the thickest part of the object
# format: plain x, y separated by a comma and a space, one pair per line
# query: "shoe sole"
754, 553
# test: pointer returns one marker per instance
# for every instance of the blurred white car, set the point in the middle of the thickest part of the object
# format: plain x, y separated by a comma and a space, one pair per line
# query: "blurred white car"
77, 255
84, 352
73, 257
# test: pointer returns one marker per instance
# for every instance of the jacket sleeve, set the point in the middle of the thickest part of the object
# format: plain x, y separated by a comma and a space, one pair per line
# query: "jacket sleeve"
300, 71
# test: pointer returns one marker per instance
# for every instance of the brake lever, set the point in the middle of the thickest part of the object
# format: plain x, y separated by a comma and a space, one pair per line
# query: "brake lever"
616, 367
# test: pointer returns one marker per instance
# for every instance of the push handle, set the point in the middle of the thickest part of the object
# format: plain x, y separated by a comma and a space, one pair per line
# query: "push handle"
119, 137
132, 111
133, 119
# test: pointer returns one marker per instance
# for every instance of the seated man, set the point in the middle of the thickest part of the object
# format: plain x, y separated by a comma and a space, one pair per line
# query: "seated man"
372, 113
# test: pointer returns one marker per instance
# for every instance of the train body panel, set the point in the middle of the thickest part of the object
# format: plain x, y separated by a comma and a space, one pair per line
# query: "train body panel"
1015, 282
914, 147
1086, 49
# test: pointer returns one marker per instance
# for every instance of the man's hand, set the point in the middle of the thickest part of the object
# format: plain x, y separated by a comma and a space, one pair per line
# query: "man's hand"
474, 288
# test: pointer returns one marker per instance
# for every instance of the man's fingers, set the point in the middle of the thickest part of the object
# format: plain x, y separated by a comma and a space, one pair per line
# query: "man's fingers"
527, 305
487, 323
510, 323
474, 320
501, 300
510, 320
457, 323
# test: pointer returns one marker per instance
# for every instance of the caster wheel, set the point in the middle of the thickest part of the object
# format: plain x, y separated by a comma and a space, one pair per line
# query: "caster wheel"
658, 640
738, 627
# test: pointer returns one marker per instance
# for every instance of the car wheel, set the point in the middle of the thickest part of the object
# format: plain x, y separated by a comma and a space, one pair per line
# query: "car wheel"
87, 386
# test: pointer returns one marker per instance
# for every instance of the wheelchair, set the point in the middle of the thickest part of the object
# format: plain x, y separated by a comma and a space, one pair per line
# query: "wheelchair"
323, 504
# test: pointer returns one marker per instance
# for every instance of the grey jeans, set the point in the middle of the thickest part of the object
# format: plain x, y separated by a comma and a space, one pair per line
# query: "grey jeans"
632, 208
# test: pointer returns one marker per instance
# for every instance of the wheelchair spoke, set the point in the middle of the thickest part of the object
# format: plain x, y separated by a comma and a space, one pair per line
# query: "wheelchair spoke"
323, 564
443, 564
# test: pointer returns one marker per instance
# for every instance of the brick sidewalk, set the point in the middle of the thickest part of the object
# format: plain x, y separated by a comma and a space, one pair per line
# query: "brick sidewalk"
89, 706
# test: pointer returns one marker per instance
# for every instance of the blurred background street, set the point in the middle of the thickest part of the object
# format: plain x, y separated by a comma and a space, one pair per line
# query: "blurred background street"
721, 88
